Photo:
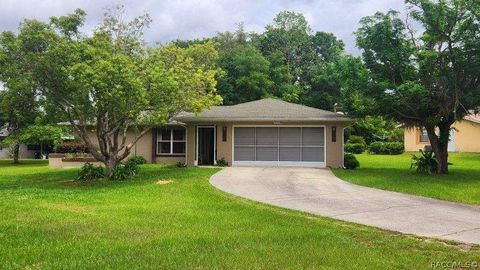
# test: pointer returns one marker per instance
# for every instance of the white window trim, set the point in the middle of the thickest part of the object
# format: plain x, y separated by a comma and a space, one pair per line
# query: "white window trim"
420, 134
171, 141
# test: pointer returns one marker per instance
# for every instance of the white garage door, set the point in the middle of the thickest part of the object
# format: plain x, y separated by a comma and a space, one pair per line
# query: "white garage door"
279, 146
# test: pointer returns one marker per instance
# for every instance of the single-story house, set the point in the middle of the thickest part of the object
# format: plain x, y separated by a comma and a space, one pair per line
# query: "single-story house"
463, 137
267, 132
24, 151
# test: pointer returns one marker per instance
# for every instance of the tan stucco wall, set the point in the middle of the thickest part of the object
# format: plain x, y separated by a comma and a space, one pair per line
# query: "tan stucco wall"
142, 148
466, 137
411, 137
334, 150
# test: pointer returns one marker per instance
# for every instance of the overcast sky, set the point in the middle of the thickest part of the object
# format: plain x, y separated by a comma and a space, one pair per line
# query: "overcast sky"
187, 19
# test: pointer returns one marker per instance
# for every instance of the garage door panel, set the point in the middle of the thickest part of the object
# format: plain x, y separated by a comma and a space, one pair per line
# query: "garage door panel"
267, 136
313, 136
244, 136
290, 154
243, 153
313, 154
279, 146
290, 136
267, 153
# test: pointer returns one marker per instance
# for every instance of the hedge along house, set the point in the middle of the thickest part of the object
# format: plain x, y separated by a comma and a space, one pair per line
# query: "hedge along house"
267, 132
463, 137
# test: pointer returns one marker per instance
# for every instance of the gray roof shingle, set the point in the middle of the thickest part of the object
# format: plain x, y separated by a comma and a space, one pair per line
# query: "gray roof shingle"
267, 109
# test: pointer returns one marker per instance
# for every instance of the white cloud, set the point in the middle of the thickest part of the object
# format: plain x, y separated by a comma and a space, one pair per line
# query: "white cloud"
186, 19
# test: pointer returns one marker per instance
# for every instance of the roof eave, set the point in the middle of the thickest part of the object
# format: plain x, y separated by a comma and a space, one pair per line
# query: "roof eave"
233, 119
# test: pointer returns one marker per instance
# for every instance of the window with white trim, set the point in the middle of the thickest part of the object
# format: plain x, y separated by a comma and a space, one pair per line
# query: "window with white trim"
171, 141
423, 136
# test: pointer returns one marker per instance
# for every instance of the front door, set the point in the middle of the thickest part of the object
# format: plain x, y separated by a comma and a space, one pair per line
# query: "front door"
206, 145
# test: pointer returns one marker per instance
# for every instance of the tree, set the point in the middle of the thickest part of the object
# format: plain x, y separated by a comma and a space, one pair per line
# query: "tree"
111, 83
38, 133
428, 80
285, 43
18, 104
302, 63
246, 75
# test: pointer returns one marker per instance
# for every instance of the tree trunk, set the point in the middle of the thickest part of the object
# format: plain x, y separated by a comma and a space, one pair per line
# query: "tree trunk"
16, 153
442, 159
439, 145
109, 165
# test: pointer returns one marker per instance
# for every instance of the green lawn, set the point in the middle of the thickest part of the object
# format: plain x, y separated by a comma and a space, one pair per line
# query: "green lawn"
393, 173
49, 222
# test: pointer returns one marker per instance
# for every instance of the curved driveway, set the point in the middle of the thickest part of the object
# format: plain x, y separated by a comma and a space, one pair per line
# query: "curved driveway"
318, 191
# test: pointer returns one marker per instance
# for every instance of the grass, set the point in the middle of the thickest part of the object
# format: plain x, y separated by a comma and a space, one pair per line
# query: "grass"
462, 184
49, 222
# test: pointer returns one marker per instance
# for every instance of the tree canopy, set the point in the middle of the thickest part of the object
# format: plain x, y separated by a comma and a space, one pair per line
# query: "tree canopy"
430, 79
112, 83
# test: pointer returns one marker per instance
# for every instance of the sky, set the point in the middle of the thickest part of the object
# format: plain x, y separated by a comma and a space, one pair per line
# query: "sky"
188, 19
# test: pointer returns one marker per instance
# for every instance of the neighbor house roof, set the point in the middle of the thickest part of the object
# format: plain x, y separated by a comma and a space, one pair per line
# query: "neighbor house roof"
473, 118
267, 109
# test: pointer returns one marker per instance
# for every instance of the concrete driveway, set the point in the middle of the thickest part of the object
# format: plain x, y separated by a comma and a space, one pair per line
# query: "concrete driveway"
318, 191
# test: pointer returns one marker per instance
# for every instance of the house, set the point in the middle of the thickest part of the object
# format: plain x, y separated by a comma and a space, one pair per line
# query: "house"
267, 132
25, 151
463, 137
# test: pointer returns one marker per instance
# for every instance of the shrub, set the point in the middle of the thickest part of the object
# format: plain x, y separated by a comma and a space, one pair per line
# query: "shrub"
355, 148
222, 162
386, 148
90, 172
350, 161
181, 164
71, 147
425, 163
139, 160
357, 139
124, 170
395, 148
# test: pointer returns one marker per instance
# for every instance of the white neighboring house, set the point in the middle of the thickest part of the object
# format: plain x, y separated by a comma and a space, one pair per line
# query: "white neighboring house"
25, 151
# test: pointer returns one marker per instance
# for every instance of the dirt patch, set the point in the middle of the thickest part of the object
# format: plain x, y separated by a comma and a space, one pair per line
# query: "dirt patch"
163, 182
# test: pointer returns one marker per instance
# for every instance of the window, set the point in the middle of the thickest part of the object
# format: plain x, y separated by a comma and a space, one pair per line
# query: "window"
423, 136
33, 147
171, 141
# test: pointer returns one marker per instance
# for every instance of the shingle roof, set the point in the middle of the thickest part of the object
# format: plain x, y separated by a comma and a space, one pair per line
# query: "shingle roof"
473, 118
267, 109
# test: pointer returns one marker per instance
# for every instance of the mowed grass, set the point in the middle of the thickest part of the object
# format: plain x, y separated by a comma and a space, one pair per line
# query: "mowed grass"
49, 222
462, 184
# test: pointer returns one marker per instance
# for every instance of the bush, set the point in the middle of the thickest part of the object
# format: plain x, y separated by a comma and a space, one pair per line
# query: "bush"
71, 147
222, 162
354, 148
90, 172
181, 164
386, 148
139, 160
125, 170
425, 163
350, 161
357, 139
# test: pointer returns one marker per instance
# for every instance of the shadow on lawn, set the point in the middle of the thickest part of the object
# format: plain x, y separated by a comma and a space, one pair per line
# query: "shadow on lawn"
455, 175
64, 179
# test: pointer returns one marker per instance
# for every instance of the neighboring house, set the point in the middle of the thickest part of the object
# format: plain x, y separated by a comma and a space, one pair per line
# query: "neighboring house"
463, 138
267, 132
25, 151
